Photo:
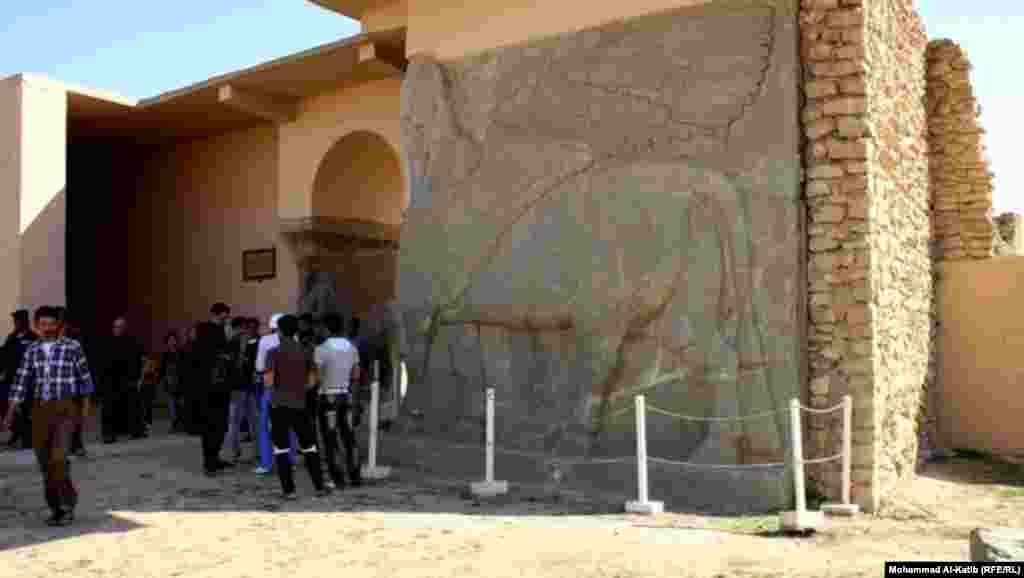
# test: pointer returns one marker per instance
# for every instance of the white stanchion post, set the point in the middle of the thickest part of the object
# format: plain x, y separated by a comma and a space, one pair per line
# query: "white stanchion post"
371, 470
847, 507
798, 456
642, 505
798, 520
489, 487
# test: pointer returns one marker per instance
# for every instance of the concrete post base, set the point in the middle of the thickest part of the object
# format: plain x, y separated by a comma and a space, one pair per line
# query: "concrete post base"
376, 472
648, 508
806, 521
489, 489
840, 509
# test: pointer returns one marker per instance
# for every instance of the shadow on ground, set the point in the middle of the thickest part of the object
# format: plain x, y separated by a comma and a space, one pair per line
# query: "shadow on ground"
24, 527
123, 485
971, 467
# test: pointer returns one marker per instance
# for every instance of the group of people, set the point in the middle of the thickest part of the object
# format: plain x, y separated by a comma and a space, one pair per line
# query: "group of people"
293, 390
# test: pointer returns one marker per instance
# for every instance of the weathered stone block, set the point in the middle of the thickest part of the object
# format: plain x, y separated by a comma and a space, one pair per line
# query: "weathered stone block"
852, 126
997, 544
848, 149
849, 105
845, 18
820, 128
825, 171
821, 88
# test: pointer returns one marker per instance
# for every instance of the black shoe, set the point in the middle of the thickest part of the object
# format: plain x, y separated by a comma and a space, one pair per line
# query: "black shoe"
210, 472
61, 518
224, 465
138, 436
109, 440
357, 479
80, 453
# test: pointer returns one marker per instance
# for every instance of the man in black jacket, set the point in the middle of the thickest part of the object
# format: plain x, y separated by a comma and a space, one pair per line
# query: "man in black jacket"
122, 367
13, 352
214, 384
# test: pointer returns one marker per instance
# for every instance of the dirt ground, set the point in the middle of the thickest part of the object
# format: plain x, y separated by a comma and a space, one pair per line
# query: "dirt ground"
155, 515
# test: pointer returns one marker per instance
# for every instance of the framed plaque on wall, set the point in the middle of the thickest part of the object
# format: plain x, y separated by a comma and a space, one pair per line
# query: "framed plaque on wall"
259, 264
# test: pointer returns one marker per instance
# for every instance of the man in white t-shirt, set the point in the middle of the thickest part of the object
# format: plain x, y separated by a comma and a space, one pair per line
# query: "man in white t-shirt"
265, 344
337, 360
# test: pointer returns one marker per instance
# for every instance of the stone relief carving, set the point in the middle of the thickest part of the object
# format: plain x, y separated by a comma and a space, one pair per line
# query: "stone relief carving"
320, 293
579, 233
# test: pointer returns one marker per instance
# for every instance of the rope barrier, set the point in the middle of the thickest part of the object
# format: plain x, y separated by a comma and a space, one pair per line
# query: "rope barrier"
619, 412
838, 456
663, 461
794, 463
715, 419
821, 410
584, 462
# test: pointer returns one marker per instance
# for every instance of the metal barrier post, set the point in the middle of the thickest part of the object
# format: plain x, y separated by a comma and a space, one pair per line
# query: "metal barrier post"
489, 487
847, 507
642, 505
798, 520
371, 470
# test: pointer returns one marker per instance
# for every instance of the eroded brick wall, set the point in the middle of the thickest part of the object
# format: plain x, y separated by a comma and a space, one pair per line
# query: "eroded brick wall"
869, 261
961, 189
901, 268
960, 176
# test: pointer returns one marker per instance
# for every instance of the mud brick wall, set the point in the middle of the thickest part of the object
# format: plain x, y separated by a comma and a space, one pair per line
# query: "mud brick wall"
961, 184
869, 270
961, 180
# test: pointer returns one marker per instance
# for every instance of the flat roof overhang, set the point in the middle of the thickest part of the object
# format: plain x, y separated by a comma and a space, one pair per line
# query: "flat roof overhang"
352, 8
265, 93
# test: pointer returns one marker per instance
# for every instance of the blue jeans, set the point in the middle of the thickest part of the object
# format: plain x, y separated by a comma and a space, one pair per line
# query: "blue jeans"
263, 430
263, 434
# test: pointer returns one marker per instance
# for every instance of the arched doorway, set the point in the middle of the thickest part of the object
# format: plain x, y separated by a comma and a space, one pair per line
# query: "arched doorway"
360, 192
358, 199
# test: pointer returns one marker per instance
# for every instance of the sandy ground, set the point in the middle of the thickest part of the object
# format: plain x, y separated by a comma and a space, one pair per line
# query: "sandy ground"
155, 515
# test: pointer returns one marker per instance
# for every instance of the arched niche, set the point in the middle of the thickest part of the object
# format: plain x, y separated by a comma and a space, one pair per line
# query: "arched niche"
360, 179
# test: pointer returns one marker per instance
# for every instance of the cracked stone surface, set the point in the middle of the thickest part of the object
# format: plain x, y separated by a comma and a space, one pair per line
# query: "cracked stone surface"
606, 213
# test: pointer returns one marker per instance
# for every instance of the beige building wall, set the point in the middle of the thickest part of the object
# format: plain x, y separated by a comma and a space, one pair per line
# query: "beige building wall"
322, 122
980, 397
33, 124
386, 17
210, 200
43, 181
450, 29
207, 201
10, 184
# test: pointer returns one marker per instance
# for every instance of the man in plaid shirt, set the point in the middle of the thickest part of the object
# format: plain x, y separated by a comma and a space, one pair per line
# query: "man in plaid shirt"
55, 369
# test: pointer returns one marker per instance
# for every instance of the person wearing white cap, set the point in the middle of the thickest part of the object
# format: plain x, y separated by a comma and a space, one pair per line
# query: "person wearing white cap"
266, 343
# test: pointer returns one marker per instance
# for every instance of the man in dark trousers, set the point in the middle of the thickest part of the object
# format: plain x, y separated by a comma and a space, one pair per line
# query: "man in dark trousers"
13, 353
337, 361
288, 367
56, 369
122, 368
212, 363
